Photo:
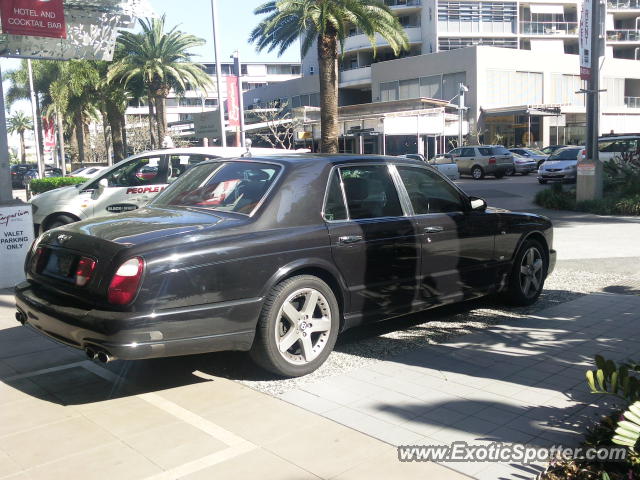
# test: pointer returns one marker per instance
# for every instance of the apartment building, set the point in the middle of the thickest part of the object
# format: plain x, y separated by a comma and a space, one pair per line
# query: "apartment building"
180, 108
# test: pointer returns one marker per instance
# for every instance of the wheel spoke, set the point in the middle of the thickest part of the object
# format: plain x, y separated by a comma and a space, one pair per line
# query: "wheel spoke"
537, 265
526, 286
530, 256
535, 282
320, 324
310, 303
524, 270
288, 340
290, 311
307, 348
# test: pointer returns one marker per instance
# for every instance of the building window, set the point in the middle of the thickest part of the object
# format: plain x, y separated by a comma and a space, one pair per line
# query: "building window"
409, 89
431, 87
454, 43
388, 91
564, 88
477, 17
506, 87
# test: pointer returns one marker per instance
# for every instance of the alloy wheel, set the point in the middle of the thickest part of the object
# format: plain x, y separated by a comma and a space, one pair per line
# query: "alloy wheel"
303, 326
531, 272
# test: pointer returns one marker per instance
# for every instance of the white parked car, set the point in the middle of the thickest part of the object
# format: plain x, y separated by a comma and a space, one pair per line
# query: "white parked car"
443, 164
126, 186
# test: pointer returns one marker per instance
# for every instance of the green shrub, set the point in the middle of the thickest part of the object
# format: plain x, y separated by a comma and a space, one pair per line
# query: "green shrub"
556, 198
51, 183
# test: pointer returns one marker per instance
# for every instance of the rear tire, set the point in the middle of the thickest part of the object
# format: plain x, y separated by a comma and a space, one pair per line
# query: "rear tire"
58, 221
525, 173
477, 172
297, 328
528, 274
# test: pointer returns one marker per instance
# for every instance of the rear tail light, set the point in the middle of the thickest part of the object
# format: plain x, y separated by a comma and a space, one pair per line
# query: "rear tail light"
38, 259
125, 283
584, 154
492, 161
84, 270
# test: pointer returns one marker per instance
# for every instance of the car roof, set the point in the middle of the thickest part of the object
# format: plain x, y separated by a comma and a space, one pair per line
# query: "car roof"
218, 151
325, 158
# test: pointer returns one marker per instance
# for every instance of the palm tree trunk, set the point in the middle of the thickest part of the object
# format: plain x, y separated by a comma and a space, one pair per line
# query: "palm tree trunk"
161, 113
328, 71
152, 134
114, 117
79, 128
23, 150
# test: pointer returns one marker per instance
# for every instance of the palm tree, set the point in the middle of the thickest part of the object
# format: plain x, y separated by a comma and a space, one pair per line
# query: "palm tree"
19, 123
327, 22
162, 62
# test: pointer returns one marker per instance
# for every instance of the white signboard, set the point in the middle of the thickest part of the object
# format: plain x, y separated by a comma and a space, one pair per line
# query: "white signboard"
207, 124
586, 28
16, 237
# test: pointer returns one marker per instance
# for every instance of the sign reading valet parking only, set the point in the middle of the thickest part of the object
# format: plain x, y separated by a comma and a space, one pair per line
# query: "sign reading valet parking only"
36, 18
16, 237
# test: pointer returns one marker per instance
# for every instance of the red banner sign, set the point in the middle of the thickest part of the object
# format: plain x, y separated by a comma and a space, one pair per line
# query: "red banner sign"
49, 134
233, 103
34, 18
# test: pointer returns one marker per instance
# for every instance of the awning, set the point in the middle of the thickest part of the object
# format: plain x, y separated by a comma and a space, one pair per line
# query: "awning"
546, 8
531, 110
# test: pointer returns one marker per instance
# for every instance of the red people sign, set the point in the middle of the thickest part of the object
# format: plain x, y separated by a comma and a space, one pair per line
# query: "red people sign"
35, 18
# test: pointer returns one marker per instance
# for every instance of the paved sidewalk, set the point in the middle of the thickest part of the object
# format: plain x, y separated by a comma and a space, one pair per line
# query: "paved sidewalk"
64, 417
521, 382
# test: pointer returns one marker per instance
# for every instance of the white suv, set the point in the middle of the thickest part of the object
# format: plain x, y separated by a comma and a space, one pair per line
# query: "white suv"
126, 186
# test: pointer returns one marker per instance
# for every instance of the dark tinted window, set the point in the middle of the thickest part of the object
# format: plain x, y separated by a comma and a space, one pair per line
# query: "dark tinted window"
499, 151
141, 171
428, 192
227, 186
334, 208
370, 192
485, 152
178, 164
468, 152
568, 154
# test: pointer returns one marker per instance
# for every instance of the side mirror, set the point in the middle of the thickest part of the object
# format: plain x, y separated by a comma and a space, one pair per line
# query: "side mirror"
102, 184
448, 156
478, 204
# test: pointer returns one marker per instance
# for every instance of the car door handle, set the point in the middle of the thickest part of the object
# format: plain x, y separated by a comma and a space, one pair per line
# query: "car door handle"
434, 229
348, 239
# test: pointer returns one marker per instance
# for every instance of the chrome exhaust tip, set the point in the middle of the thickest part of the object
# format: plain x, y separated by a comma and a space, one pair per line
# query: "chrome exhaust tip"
91, 353
103, 357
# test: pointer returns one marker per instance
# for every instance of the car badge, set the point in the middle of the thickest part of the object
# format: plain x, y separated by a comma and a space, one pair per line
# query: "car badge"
62, 238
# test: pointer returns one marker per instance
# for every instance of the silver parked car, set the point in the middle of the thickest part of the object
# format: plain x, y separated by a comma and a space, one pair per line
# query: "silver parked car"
531, 153
444, 165
561, 166
481, 160
523, 165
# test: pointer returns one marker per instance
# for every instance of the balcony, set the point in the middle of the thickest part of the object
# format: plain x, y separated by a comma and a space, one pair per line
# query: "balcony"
615, 36
549, 28
632, 102
359, 41
355, 76
623, 4
402, 4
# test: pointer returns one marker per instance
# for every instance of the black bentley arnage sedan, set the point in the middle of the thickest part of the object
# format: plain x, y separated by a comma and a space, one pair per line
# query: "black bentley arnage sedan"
277, 256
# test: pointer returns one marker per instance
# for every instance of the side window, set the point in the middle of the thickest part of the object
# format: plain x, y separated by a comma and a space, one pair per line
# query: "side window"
455, 152
468, 152
142, 171
429, 193
370, 192
178, 164
334, 208
484, 151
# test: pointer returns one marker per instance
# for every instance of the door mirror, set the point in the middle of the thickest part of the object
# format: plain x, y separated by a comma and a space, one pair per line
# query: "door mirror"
478, 204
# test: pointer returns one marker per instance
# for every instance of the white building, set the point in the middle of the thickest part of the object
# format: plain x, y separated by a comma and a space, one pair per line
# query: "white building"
181, 108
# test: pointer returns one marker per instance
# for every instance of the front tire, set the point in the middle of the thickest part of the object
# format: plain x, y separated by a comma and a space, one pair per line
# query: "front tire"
528, 274
59, 221
297, 328
477, 173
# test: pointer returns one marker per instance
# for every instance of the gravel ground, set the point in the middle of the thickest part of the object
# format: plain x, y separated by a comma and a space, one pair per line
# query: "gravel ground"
373, 343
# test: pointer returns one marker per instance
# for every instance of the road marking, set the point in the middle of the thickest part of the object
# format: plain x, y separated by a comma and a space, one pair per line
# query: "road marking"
44, 371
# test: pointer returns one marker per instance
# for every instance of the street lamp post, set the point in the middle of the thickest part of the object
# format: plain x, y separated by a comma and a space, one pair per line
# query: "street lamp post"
237, 66
216, 47
461, 108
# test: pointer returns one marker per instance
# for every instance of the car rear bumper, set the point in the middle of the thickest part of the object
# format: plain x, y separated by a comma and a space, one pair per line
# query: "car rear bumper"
135, 335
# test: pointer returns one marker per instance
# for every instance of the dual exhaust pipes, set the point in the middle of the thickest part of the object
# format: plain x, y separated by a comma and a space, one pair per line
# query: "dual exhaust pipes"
97, 354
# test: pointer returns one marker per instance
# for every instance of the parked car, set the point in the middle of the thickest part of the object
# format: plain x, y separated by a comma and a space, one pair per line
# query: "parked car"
444, 165
87, 172
551, 148
523, 165
301, 248
126, 186
532, 154
618, 147
562, 165
17, 173
482, 160
34, 173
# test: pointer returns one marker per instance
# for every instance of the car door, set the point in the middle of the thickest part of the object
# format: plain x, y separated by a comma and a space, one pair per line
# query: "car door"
130, 186
458, 259
466, 160
373, 243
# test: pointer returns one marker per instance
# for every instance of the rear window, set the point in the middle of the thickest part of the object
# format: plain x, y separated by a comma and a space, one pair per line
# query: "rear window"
568, 154
500, 151
225, 186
